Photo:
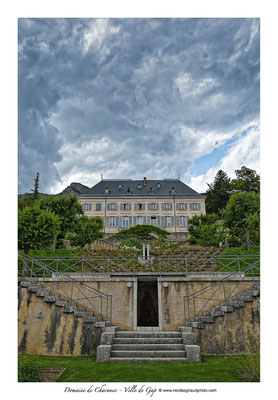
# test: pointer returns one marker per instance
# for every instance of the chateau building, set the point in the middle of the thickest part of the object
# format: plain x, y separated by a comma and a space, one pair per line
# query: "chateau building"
122, 203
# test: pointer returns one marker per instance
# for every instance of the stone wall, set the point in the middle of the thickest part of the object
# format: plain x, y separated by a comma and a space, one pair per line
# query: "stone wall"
45, 329
232, 333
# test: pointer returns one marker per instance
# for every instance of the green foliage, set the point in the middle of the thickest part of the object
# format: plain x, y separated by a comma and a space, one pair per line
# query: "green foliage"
206, 230
87, 230
36, 228
247, 180
26, 202
131, 243
35, 191
241, 217
140, 231
28, 370
241, 251
67, 208
218, 193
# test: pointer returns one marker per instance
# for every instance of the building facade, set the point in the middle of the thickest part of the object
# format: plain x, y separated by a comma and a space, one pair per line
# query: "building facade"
122, 203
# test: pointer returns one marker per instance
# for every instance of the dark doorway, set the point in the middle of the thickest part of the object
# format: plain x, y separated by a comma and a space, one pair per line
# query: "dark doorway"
147, 303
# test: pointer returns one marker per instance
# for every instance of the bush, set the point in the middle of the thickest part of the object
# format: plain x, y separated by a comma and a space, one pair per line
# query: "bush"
139, 231
28, 371
131, 243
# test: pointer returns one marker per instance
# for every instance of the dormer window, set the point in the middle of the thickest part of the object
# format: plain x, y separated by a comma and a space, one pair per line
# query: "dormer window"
158, 185
172, 191
139, 186
150, 190
120, 186
107, 191
129, 191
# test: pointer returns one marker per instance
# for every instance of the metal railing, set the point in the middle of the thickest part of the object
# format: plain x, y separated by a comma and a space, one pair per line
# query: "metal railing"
154, 264
218, 292
75, 291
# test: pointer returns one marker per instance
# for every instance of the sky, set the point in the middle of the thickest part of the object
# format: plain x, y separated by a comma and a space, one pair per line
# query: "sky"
129, 98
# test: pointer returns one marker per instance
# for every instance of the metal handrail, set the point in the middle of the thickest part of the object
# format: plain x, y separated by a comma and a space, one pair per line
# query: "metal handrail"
208, 293
38, 272
154, 264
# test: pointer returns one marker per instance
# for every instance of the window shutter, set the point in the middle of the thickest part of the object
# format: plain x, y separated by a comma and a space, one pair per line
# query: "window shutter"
171, 206
103, 218
191, 206
134, 220
107, 221
149, 220
177, 206
130, 221
121, 206
149, 206
117, 221
162, 221
162, 207
120, 222
186, 221
143, 206
145, 220
158, 220
135, 206
185, 206
172, 221
177, 221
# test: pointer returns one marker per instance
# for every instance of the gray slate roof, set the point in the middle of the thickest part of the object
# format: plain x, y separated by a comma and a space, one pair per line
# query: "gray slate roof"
129, 187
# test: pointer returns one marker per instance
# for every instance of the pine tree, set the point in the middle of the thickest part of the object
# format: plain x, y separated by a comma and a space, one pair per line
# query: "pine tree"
35, 191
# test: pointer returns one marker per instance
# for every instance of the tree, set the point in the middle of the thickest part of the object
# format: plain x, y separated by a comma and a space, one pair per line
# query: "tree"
206, 230
87, 230
67, 208
241, 217
247, 180
35, 191
218, 193
36, 228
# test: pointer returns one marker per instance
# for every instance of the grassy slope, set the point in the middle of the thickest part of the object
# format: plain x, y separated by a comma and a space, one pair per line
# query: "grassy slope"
85, 369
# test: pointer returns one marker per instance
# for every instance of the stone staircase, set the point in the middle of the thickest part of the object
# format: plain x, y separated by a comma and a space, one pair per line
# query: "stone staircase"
67, 306
137, 346
226, 307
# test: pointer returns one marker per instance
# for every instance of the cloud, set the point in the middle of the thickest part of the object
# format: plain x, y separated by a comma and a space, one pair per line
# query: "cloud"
132, 97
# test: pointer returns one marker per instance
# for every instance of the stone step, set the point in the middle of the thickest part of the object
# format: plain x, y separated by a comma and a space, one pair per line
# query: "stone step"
147, 359
148, 340
147, 347
147, 353
151, 334
195, 324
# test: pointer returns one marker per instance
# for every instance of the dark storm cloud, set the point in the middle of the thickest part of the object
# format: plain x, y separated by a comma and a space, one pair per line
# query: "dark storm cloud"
129, 97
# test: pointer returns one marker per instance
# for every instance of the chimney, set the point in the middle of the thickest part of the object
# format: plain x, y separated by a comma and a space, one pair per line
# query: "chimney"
145, 180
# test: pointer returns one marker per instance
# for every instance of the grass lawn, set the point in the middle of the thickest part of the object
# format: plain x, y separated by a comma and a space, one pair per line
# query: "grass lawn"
85, 369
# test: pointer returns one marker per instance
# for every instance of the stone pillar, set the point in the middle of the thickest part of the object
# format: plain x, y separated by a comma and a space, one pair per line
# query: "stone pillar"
144, 251
148, 251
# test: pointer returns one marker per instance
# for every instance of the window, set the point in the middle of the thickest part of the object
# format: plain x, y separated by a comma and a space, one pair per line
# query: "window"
125, 206
181, 206
195, 206
153, 206
140, 220
120, 186
86, 207
112, 221
129, 190
167, 206
158, 185
139, 206
111, 206
182, 221
167, 221
139, 186
154, 221
125, 222
98, 207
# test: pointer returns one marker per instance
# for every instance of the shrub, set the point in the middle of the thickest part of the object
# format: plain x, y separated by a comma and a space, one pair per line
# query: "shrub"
131, 243
28, 371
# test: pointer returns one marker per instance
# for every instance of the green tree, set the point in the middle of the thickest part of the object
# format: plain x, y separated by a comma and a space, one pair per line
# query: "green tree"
241, 217
87, 230
35, 191
206, 230
67, 208
218, 193
36, 228
247, 180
